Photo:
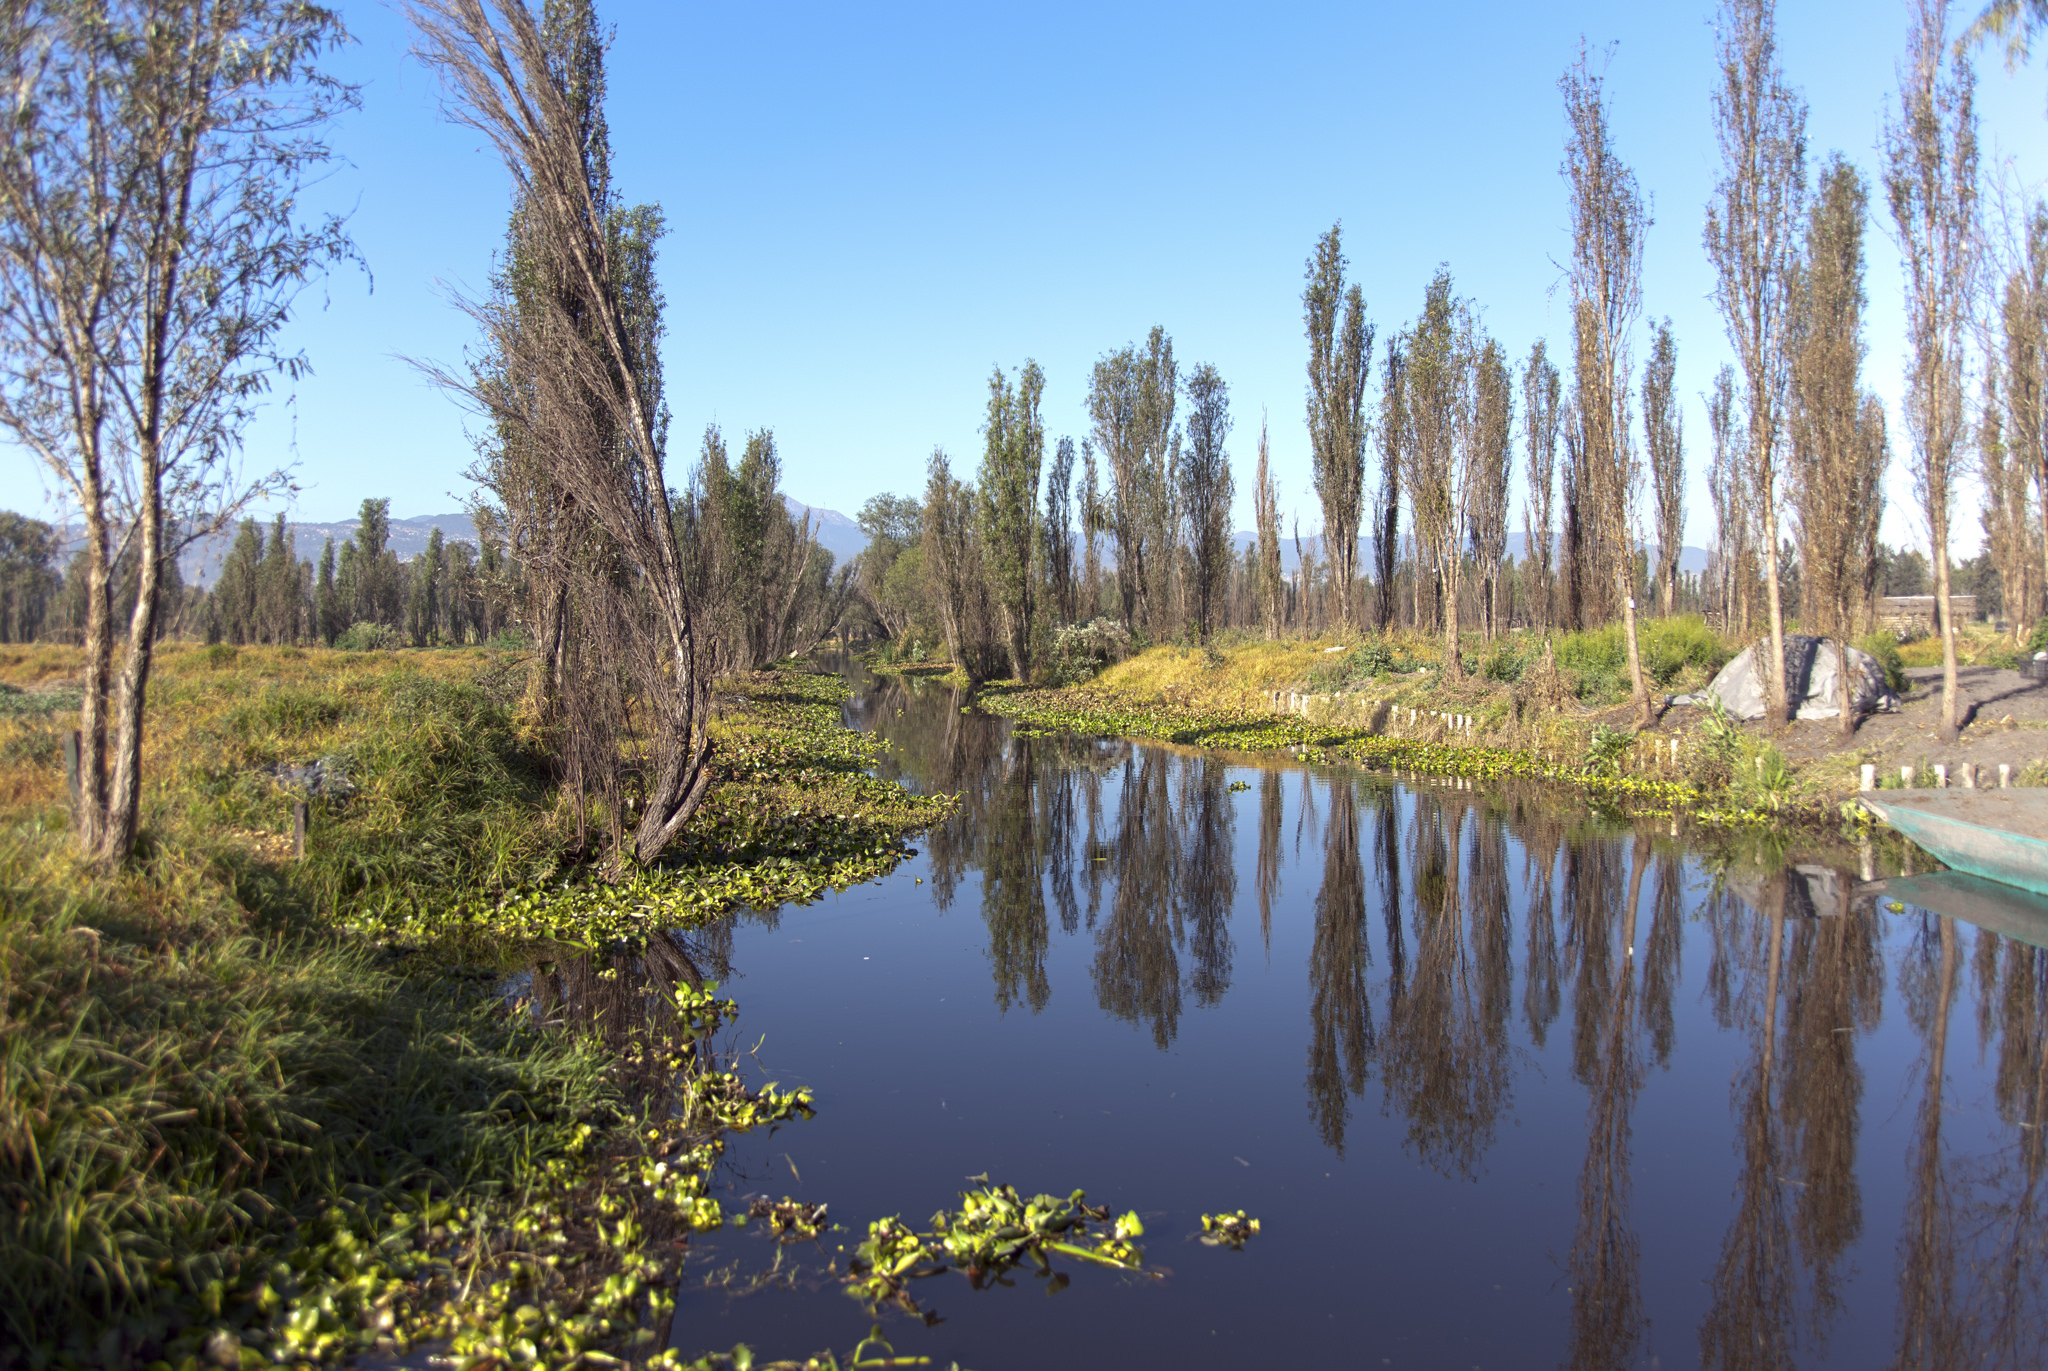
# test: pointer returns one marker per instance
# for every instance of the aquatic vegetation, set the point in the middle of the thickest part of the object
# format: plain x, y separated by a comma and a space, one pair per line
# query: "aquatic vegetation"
1228, 1230
993, 1232
790, 1220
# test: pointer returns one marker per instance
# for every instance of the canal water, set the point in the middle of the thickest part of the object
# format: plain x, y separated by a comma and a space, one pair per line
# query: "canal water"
1507, 1084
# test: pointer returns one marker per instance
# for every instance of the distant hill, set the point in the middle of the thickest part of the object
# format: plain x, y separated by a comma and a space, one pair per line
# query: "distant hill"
201, 563
1690, 559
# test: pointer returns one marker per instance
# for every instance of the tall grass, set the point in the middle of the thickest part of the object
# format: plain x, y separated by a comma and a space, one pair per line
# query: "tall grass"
1679, 652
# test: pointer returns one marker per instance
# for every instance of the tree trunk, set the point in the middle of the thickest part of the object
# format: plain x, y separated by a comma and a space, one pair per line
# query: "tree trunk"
1454, 667
1644, 715
1951, 722
91, 815
124, 802
1780, 708
1844, 696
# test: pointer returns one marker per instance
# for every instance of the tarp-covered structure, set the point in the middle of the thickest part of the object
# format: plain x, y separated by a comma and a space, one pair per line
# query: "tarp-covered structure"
1811, 667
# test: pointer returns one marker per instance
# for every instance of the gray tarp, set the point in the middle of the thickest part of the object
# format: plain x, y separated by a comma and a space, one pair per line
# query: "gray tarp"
1810, 666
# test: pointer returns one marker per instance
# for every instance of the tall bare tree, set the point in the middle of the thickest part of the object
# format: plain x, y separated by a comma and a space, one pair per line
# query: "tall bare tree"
2023, 317
151, 246
1010, 467
1664, 438
1386, 521
1058, 532
1266, 514
1541, 392
1728, 488
593, 362
1609, 219
1206, 489
1931, 184
1490, 458
1131, 395
1835, 488
1339, 360
2008, 522
1752, 236
1438, 390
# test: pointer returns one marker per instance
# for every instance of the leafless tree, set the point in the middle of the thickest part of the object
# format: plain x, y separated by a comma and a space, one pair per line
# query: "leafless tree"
1131, 395
1734, 517
595, 365
954, 561
2008, 522
1439, 404
1491, 456
1266, 513
1206, 488
1541, 390
1752, 233
1386, 522
1609, 219
1835, 489
1339, 360
2023, 316
151, 247
1664, 438
1931, 184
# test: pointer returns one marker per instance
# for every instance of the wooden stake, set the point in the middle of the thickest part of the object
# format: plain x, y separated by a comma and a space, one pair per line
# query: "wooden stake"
299, 817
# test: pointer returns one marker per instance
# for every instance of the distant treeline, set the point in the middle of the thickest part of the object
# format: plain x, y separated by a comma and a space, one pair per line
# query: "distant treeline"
765, 585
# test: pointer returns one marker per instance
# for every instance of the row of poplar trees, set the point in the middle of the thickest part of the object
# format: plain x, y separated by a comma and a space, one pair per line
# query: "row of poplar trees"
1799, 447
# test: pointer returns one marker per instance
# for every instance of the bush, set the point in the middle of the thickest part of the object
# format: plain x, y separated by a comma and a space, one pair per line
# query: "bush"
1884, 646
1080, 651
1670, 649
1372, 658
367, 637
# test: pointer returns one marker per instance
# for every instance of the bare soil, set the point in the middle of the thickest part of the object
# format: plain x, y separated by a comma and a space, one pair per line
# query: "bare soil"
2005, 719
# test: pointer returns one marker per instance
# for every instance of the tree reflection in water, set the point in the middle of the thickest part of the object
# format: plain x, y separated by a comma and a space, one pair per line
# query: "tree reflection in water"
1340, 1010
1445, 1053
1136, 845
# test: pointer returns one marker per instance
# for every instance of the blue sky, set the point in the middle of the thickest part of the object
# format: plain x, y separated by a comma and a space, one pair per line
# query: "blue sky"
871, 206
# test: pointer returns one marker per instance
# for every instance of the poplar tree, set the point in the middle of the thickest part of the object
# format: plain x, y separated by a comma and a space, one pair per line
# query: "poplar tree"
1609, 219
1339, 361
1011, 462
1729, 488
1542, 390
1491, 456
1664, 439
1438, 408
1131, 394
1752, 236
2023, 320
1837, 460
578, 377
1931, 185
1206, 490
1386, 523
1266, 514
1059, 531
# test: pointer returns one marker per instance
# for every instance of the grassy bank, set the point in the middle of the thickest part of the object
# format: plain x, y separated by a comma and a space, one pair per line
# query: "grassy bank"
1384, 702
263, 1111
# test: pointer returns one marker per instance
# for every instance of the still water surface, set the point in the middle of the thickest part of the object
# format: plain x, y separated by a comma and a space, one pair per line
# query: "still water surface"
1506, 1084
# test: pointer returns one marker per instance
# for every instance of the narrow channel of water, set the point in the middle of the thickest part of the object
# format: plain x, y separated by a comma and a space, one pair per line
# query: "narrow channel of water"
1506, 1085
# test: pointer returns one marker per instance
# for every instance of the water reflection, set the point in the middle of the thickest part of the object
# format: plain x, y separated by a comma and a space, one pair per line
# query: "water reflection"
1412, 897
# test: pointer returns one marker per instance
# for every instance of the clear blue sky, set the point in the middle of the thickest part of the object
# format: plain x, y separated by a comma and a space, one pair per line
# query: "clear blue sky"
871, 206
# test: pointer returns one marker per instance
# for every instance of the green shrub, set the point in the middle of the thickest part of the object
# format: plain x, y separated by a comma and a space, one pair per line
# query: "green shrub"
366, 637
1884, 646
1081, 651
1372, 658
1598, 657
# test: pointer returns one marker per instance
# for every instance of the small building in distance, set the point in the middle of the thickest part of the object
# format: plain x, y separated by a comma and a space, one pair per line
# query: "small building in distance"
1917, 614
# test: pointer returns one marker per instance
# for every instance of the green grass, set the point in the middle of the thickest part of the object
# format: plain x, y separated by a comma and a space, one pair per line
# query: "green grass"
248, 1102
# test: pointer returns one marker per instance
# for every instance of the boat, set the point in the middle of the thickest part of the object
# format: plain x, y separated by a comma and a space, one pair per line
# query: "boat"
2001, 835
1993, 905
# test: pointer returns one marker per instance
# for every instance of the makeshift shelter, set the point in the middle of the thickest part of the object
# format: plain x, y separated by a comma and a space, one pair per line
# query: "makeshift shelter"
1811, 665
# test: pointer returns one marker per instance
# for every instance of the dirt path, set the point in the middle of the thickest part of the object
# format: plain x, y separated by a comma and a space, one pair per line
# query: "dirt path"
2005, 720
